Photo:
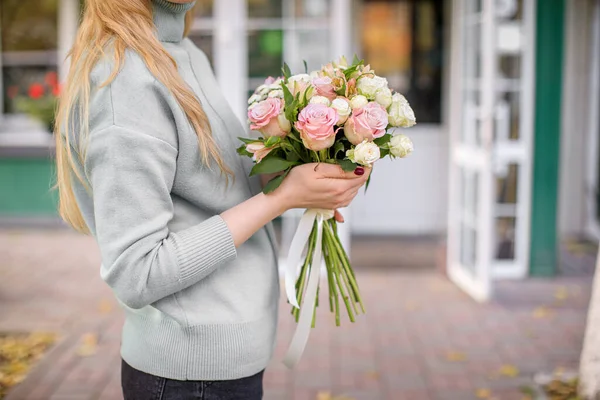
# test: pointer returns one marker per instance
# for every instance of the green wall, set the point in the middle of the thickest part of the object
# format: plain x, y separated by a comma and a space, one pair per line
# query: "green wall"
25, 187
548, 96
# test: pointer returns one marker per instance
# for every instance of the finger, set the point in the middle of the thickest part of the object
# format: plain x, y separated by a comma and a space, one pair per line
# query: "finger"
338, 216
334, 171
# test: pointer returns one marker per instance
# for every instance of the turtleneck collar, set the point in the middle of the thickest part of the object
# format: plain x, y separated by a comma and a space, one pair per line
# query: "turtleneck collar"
169, 19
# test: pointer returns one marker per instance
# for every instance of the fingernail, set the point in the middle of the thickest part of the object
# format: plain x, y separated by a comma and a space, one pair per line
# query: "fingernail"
359, 171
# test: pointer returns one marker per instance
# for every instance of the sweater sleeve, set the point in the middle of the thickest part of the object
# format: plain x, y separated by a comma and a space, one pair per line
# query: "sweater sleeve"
131, 176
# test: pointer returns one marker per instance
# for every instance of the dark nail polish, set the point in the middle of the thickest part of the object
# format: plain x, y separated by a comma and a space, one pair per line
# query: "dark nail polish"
359, 171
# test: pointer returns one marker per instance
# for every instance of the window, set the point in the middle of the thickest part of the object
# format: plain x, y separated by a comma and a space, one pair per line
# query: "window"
28, 32
202, 32
288, 31
403, 41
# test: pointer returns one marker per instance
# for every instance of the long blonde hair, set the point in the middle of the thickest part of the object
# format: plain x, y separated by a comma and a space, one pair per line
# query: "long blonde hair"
116, 25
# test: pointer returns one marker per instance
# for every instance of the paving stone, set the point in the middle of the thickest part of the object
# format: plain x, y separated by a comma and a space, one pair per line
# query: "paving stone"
398, 351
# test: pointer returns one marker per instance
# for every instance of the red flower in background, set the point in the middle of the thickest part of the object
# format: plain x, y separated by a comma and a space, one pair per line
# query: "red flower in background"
51, 79
12, 92
36, 91
56, 90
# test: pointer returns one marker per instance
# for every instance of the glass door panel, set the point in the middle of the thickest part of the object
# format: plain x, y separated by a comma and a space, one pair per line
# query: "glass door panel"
470, 215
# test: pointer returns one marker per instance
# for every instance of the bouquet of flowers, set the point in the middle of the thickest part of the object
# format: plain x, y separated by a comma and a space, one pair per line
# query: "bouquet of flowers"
340, 114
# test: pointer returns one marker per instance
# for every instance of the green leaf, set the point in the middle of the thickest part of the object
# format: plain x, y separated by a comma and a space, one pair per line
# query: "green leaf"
383, 152
287, 95
274, 183
342, 90
339, 146
355, 60
272, 141
243, 152
250, 140
286, 71
382, 140
271, 165
305, 67
347, 165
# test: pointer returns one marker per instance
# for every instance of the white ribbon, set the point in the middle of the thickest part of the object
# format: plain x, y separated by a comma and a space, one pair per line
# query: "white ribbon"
298, 244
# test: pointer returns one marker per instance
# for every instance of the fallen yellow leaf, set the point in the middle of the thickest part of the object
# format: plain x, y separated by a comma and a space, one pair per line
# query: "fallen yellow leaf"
455, 356
483, 393
17, 353
89, 345
324, 396
542, 312
509, 370
373, 375
561, 293
105, 306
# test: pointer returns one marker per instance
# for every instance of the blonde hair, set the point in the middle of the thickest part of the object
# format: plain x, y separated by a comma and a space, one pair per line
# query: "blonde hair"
114, 26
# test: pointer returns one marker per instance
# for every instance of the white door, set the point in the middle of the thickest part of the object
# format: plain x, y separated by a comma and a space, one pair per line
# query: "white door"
471, 151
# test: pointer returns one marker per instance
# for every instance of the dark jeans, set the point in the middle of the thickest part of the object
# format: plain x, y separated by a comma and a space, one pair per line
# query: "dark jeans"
138, 385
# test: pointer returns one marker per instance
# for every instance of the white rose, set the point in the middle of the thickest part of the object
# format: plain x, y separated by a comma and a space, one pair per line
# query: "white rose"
384, 97
320, 100
365, 153
368, 86
358, 101
343, 109
276, 93
400, 114
401, 146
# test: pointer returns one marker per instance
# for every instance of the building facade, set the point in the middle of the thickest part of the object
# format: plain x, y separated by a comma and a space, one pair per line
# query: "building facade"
505, 93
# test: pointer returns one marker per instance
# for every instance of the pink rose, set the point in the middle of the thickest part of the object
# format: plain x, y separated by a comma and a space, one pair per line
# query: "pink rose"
324, 87
265, 118
278, 126
259, 150
368, 122
315, 124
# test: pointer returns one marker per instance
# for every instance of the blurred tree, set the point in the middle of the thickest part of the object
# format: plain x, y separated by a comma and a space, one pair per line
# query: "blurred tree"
28, 25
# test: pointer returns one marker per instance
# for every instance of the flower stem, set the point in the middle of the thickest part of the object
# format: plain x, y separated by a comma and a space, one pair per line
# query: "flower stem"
340, 275
304, 272
333, 293
348, 269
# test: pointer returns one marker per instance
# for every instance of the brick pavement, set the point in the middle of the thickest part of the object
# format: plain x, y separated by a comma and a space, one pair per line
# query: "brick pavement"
421, 339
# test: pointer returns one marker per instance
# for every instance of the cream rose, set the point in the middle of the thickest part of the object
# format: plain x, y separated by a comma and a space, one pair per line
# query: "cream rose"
320, 100
365, 153
358, 101
343, 109
368, 86
400, 114
384, 97
401, 146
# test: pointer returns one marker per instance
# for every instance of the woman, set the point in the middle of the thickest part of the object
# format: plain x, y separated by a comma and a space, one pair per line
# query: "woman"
146, 163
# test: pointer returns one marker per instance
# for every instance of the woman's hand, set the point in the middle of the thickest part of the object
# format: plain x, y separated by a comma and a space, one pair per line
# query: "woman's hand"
320, 186
306, 186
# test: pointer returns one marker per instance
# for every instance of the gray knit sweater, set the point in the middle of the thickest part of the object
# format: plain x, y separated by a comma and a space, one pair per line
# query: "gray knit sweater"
196, 307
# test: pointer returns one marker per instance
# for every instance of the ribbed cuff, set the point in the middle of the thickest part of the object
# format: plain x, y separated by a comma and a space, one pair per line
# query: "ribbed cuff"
202, 248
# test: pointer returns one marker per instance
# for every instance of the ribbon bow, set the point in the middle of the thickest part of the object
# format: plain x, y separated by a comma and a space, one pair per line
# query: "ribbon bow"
298, 244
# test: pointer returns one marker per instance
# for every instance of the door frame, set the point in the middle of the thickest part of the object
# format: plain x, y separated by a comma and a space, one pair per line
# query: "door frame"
467, 156
521, 153
592, 224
